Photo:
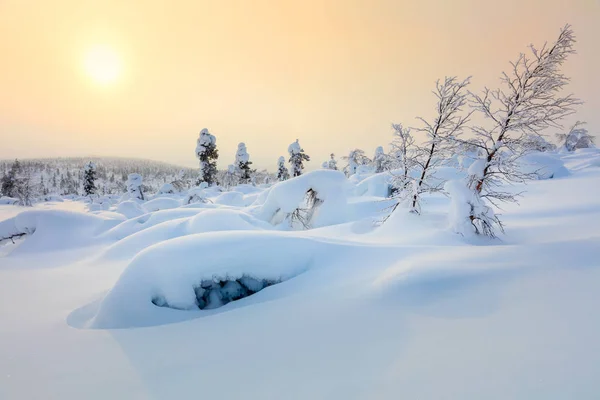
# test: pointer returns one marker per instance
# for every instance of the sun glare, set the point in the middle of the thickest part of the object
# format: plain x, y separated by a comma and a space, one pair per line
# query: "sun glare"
102, 64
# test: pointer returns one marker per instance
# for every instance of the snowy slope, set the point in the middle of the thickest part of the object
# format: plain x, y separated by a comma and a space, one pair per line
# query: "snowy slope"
404, 310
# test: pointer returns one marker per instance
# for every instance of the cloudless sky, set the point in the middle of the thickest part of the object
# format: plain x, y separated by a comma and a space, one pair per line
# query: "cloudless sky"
333, 73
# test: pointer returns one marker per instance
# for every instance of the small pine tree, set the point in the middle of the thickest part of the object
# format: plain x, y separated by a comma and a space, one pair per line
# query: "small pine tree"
332, 163
297, 158
207, 154
282, 172
242, 164
89, 179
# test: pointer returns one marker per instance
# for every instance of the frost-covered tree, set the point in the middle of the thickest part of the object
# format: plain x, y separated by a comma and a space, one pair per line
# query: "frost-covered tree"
403, 147
207, 154
297, 158
529, 101
380, 160
332, 163
577, 138
242, 164
355, 159
440, 135
134, 186
282, 172
89, 179
230, 178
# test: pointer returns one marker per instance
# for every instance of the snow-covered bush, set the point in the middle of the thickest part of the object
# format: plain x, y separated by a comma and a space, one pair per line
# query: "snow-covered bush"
207, 154
355, 159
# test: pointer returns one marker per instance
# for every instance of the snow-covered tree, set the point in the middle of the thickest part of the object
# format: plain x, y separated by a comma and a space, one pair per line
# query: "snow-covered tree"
89, 179
134, 186
403, 147
230, 178
577, 138
331, 164
207, 154
355, 159
380, 160
441, 134
242, 164
297, 158
529, 101
9, 179
282, 172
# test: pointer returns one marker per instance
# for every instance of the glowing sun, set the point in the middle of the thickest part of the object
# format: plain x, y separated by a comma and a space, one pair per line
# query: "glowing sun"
102, 64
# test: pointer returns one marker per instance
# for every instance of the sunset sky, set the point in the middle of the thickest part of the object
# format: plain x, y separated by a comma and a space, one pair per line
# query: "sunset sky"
142, 78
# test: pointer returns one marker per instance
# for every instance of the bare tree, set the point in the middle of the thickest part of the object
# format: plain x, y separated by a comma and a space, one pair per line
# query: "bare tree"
403, 148
441, 133
528, 102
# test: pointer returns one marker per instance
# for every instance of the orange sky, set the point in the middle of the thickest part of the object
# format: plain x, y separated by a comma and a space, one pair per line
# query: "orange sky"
333, 73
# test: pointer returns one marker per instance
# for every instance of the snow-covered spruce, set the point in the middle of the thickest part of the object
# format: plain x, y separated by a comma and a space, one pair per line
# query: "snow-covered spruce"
134, 186
89, 179
242, 164
282, 172
207, 154
297, 158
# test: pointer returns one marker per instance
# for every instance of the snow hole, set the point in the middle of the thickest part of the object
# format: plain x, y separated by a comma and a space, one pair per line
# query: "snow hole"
217, 292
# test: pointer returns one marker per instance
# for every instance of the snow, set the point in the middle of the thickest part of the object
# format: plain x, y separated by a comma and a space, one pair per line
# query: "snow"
221, 299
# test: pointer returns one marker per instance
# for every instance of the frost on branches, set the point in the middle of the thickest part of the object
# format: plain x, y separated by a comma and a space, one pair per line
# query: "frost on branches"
134, 186
242, 164
355, 159
89, 179
404, 152
207, 154
577, 138
529, 101
282, 172
297, 158
331, 163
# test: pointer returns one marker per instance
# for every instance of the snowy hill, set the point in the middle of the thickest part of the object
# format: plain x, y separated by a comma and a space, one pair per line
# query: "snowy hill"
297, 290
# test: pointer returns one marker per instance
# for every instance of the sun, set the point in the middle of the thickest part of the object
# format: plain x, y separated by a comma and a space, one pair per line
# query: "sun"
102, 64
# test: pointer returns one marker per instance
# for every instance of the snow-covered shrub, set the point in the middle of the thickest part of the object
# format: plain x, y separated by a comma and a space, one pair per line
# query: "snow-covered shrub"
167, 188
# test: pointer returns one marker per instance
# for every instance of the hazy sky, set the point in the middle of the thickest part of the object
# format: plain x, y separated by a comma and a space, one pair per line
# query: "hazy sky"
332, 73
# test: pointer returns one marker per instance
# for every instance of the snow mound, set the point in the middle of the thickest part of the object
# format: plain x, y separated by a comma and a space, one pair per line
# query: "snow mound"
329, 205
544, 165
230, 199
130, 209
161, 203
378, 185
209, 220
51, 230
172, 275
